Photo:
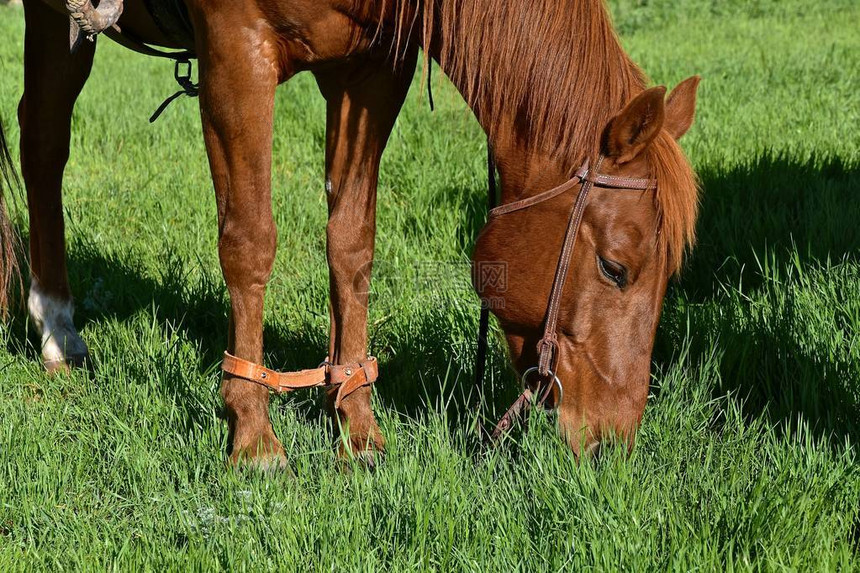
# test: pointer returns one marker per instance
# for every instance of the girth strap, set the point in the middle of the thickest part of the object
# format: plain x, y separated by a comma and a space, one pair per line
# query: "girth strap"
347, 378
128, 40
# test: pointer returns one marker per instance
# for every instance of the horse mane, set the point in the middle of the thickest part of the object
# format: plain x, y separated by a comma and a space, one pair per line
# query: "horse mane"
558, 69
677, 199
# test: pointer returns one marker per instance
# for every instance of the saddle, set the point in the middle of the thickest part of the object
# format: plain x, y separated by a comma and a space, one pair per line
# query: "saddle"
86, 21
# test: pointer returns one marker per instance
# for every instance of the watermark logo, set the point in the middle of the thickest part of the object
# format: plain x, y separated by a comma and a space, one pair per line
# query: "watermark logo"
491, 275
435, 282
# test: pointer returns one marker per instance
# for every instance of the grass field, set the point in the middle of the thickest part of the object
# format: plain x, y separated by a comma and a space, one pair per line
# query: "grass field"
747, 457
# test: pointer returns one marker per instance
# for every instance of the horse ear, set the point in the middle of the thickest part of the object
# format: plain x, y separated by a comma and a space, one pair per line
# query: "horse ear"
636, 126
681, 107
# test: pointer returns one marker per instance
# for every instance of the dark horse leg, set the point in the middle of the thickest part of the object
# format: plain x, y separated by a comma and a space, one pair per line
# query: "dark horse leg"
53, 78
363, 102
238, 76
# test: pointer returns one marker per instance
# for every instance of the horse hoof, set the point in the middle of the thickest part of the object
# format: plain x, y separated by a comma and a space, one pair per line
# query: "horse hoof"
264, 454
270, 464
65, 365
370, 459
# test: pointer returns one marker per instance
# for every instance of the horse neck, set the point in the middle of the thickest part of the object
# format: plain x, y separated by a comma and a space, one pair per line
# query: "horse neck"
524, 168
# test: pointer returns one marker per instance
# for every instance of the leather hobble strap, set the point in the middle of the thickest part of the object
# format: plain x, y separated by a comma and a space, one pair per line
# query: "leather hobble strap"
349, 378
346, 378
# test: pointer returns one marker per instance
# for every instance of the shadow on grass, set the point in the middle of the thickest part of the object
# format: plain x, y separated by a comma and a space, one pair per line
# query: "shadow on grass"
109, 288
772, 206
779, 214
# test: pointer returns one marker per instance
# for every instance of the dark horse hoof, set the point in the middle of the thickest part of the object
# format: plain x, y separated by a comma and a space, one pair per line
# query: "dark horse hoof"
369, 458
269, 464
65, 365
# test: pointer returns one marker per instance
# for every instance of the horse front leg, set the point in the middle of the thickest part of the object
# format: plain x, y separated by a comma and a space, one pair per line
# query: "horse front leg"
53, 79
360, 117
238, 75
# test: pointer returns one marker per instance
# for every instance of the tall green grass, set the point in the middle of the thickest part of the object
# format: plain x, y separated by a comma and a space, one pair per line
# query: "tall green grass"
747, 457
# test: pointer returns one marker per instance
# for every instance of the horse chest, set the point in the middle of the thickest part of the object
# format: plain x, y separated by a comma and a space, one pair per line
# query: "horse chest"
313, 34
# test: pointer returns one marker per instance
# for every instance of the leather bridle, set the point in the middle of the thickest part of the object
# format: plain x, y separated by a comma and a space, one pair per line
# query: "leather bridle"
587, 178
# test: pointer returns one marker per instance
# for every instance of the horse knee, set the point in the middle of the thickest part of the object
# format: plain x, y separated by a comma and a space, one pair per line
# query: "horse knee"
247, 251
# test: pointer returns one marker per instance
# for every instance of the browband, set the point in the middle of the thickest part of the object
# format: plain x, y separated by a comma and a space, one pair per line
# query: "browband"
582, 175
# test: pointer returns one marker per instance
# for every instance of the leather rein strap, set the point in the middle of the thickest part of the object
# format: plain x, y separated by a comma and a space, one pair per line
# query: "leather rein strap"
587, 178
346, 378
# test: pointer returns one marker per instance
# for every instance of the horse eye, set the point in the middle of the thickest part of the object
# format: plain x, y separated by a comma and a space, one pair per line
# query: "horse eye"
616, 272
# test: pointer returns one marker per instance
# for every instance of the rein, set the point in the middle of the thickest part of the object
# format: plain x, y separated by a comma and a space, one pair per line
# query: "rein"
484, 322
587, 178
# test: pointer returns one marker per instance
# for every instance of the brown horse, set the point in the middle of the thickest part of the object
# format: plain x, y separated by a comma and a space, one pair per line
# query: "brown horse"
551, 86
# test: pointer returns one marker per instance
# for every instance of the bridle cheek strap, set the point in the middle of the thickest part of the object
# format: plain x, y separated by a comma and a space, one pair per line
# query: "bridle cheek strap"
548, 345
347, 378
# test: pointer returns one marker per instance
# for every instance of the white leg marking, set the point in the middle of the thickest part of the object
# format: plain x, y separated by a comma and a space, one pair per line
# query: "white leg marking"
53, 318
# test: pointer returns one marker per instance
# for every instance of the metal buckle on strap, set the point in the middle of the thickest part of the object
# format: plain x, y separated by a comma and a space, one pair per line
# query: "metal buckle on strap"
555, 381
